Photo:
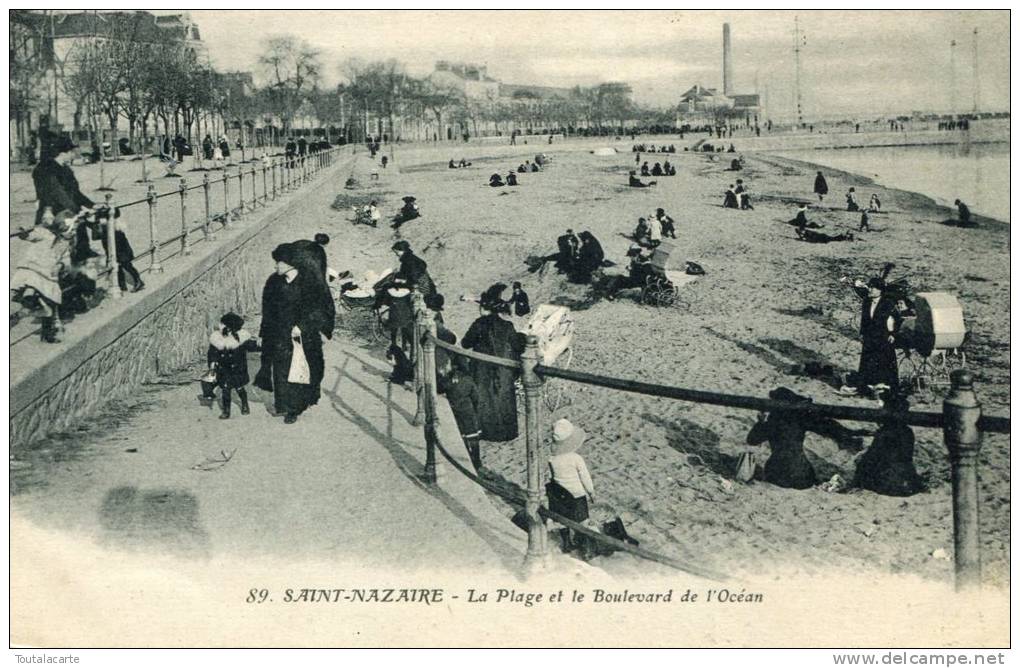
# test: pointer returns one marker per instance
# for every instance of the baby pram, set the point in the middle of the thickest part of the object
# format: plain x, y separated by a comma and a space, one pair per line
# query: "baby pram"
554, 328
667, 274
359, 309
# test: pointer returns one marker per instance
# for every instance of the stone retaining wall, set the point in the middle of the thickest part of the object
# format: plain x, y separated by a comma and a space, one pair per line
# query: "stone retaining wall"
114, 353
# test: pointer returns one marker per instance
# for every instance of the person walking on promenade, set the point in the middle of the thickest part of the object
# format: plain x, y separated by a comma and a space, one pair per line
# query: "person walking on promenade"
207, 148
821, 187
125, 254
297, 311
57, 188
229, 345
491, 334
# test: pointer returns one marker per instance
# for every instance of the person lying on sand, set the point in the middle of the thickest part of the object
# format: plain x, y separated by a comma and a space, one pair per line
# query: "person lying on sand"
463, 163
635, 182
813, 237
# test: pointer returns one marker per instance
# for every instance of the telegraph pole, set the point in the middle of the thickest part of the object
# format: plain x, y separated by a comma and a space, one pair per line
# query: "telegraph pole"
952, 78
798, 42
977, 76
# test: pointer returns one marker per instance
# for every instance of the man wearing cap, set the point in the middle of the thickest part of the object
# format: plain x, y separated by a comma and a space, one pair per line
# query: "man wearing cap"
57, 188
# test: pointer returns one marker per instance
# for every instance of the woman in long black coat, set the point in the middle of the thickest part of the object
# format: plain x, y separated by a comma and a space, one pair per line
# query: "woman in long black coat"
821, 187
492, 335
297, 309
879, 322
589, 257
887, 466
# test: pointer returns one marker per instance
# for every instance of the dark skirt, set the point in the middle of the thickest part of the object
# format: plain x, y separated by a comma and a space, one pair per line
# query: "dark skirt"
878, 365
291, 397
789, 468
566, 504
497, 401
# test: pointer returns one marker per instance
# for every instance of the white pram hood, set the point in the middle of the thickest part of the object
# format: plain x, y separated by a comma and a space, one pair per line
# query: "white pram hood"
554, 328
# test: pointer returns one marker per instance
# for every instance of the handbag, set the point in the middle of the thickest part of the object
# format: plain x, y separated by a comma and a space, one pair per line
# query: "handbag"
746, 465
299, 373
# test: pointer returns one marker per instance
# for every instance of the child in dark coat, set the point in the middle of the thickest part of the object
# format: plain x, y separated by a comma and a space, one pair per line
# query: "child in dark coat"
462, 393
520, 300
125, 254
229, 346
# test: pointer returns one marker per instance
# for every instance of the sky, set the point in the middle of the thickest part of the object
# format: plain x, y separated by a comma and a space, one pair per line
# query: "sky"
853, 63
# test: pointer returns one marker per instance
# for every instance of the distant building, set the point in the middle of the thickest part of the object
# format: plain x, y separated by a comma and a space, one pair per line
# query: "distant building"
470, 79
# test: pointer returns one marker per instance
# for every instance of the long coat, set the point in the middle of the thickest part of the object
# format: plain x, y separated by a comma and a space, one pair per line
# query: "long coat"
285, 305
887, 466
821, 187
785, 431
56, 187
878, 355
497, 405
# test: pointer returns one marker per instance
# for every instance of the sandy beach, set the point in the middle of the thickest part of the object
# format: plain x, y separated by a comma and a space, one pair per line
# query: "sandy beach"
767, 303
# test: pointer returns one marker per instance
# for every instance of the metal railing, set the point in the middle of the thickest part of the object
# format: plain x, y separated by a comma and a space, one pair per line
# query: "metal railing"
277, 176
961, 422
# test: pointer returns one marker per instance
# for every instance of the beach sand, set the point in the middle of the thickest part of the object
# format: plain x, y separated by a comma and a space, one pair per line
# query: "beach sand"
767, 303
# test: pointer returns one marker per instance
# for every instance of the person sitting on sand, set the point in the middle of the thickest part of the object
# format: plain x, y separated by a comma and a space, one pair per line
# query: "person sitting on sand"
887, 466
874, 204
657, 170
408, 212
634, 182
801, 221
589, 258
865, 225
534, 167
667, 224
821, 187
730, 198
743, 196
668, 169
641, 231
496, 181
732, 149
511, 179
785, 430
735, 165
521, 169
644, 169
964, 212
654, 232
851, 200
463, 163
813, 237
638, 271
451, 165
567, 244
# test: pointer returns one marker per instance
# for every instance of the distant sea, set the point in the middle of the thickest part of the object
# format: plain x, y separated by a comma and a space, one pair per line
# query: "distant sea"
978, 174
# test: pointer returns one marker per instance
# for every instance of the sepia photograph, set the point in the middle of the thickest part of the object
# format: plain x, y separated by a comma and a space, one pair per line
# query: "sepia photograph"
510, 329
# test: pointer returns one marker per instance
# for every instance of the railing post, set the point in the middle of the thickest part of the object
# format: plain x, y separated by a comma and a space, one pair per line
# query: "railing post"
265, 186
226, 197
207, 228
183, 187
154, 264
254, 190
536, 460
275, 163
418, 307
428, 368
111, 250
240, 189
960, 414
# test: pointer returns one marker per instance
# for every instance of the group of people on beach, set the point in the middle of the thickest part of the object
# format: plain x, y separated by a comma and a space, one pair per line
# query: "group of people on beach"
497, 181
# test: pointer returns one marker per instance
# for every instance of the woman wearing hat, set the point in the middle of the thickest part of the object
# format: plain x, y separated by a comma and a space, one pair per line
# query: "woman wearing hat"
57, 188
491, 334
571, 486
879, 323
297, 310
412, 274
36, 277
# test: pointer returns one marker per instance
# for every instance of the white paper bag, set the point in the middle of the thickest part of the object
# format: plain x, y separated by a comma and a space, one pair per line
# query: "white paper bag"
299, 372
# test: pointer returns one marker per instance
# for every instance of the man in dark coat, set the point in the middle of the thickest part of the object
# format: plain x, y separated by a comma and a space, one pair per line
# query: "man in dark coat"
57, 188
821, 187
302, 146
181, 147
297, 311
879, 322
290, 150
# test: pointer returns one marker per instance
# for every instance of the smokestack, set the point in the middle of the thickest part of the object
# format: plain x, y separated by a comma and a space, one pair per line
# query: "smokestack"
727, 61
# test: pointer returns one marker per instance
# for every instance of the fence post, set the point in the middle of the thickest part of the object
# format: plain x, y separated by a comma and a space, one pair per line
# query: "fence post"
226, 197
265, 186
183, 187
154, 264
275, 163
428, 368
960, 414
240, 189
420, 312
111, 249
207, 228
537, 549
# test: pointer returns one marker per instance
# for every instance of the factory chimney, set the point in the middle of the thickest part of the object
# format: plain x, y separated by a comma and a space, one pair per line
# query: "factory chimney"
727, 61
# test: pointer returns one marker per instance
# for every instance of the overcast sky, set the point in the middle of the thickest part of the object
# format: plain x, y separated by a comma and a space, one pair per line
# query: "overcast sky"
853, 62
